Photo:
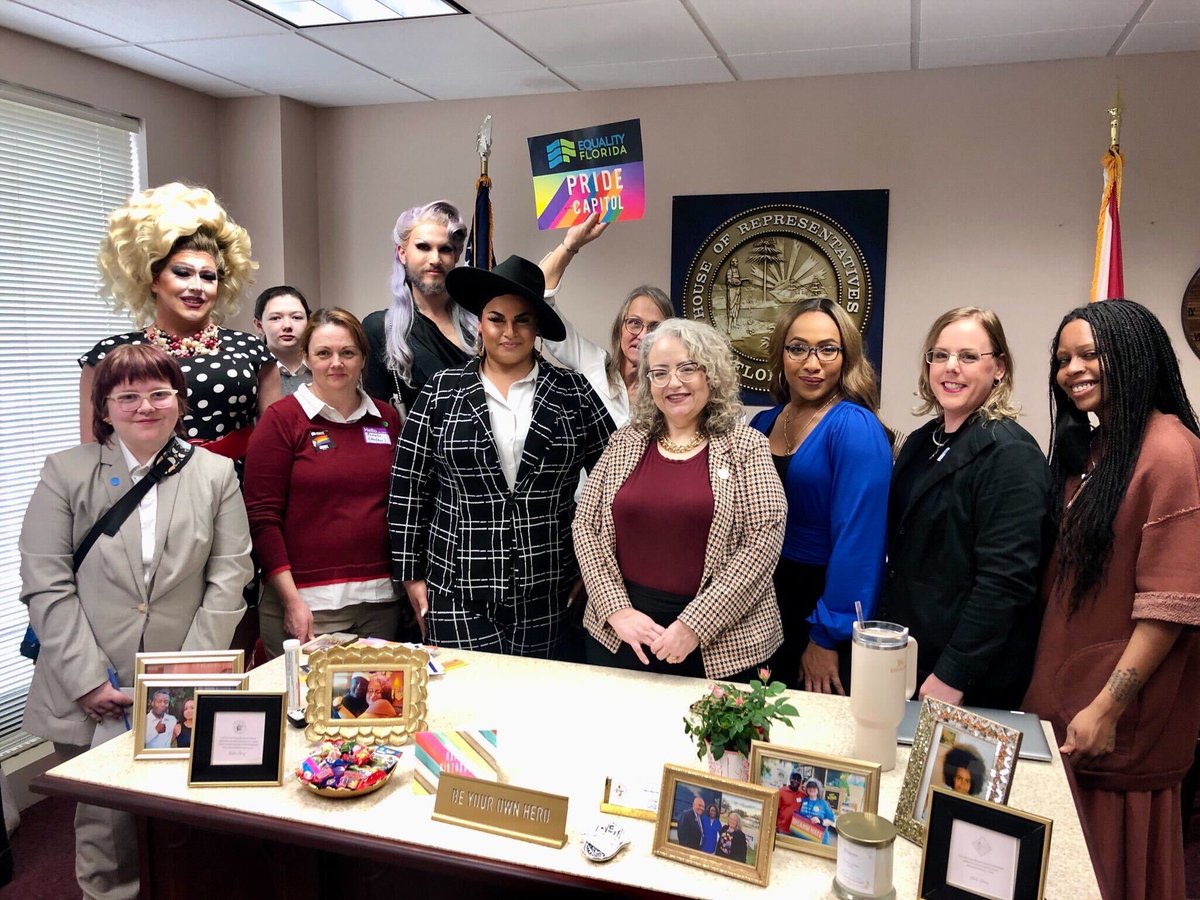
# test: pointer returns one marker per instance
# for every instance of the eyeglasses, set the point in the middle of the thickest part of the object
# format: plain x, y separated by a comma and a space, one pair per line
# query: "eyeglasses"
634, 325
802, 352
128, 401
685, 372
965, 357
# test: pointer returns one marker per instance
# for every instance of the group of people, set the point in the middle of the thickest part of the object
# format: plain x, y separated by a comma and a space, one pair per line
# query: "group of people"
700, 828
420, 470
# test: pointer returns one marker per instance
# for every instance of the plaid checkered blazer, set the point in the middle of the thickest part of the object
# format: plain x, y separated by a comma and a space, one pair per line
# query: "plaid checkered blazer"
453, 520
735, 614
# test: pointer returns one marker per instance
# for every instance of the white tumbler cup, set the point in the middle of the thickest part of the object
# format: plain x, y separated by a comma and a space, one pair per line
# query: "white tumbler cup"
883, 674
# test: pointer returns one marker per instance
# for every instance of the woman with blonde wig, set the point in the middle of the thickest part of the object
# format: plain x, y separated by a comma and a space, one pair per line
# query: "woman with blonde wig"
967, 520
176, 262
680, 523
834, 460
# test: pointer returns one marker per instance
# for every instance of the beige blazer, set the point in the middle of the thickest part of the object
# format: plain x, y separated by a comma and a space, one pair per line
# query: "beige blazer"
105, 613
735, 614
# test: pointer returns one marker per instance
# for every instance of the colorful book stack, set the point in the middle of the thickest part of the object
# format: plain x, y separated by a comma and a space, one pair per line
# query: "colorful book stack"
470, 753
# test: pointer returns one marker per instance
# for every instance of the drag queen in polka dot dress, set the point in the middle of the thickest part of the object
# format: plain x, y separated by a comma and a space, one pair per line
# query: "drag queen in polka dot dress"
175, 260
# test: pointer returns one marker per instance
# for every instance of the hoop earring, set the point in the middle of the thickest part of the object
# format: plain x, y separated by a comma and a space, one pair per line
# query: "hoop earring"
995, 382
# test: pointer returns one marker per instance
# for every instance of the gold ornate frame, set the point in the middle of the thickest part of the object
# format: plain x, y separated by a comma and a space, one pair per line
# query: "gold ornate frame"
910, 809
147, 683
760, 872
233, 662
867, 770
323, 664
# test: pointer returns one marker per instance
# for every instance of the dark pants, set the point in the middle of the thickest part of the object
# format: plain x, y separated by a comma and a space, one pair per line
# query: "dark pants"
798, 587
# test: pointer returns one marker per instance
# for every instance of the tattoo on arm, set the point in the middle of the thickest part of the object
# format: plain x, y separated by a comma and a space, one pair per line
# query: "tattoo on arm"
1123, 684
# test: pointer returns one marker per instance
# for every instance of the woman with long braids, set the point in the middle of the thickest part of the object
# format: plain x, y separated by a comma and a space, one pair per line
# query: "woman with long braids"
1119, 657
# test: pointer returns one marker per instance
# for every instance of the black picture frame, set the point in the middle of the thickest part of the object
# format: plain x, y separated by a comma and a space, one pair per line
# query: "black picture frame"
1031, 831
269, 773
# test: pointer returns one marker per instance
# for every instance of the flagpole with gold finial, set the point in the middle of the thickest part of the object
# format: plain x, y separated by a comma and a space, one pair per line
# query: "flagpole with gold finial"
479, 245
1108, 275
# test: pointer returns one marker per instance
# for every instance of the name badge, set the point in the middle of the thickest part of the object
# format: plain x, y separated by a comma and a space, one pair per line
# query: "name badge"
376, 435
321, 440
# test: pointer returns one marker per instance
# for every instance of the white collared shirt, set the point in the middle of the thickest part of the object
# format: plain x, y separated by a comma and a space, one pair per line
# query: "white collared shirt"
314, 406
147, 508
510, 417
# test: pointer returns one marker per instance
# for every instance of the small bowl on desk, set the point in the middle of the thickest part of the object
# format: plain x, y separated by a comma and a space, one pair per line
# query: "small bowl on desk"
342, 770
348, 793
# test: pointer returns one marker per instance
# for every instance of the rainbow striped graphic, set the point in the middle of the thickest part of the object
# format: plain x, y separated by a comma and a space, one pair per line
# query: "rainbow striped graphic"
470, 753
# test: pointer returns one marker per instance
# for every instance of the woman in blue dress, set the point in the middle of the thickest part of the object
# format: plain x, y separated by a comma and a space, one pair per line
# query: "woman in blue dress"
712, 827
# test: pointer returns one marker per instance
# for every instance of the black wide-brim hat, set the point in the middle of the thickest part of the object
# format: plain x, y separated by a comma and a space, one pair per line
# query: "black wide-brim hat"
473, 288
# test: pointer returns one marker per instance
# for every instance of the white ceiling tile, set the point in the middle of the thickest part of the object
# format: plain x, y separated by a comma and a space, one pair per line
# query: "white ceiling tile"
768, 26
170, 70
1167, 37
840, 61
953, 19
707, 70
289, 65
1172, 11
1013, 48
488, 7
27, 20
456, 86
598, 34
140, 21
425, 49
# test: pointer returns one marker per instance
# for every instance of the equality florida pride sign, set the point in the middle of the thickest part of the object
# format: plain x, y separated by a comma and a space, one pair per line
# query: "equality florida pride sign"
597, 169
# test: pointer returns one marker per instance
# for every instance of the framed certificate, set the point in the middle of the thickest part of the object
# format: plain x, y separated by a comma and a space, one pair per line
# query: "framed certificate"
238, 740
978, 849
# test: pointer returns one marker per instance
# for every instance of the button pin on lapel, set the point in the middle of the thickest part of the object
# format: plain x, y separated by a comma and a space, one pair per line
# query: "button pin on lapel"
114, 481
722, 473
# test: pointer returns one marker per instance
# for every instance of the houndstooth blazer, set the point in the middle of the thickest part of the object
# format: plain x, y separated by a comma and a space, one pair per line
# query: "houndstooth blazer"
735, 614
453, 520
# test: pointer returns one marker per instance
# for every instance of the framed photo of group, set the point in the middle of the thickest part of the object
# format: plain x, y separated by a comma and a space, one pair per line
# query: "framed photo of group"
370, 694
959, 750
716, 823
164, 711
813, 790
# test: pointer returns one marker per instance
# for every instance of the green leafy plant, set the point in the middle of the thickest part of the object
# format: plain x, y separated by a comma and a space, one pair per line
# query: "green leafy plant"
729, 717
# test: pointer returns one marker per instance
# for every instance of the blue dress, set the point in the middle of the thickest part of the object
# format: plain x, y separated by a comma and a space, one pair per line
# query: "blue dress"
712, 827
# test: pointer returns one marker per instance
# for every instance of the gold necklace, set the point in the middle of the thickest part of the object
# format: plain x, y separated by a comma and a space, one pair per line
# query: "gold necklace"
671, 447
787, 423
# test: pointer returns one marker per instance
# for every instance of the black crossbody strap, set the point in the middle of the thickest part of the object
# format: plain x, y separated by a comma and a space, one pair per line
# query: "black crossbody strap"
173, 457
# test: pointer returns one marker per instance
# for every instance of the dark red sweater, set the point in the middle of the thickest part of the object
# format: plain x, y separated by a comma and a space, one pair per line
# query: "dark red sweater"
321, 513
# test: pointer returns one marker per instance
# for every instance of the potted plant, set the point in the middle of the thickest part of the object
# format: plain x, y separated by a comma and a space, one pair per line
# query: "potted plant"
725, 720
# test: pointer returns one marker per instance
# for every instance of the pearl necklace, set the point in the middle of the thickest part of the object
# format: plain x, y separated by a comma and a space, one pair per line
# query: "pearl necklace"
671, 447
787, 423
205, 342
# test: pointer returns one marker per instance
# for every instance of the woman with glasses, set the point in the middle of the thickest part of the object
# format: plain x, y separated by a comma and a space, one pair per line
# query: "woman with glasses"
967, 521
1118, 660
485, 474
833, 457
680, 523
169, 579
317, 475
612, 373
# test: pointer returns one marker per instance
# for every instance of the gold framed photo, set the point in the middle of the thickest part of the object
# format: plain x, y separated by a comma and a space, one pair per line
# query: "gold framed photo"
717, 824
978, 849
191, 662
164, 712
813, 789
369, 694
239, 739
957, 749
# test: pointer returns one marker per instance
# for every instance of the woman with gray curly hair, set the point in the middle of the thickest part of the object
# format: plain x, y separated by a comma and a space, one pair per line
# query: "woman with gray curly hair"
681, 521
176, 262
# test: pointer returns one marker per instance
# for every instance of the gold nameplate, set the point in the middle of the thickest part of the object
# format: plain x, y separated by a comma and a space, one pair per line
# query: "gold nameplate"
503, 809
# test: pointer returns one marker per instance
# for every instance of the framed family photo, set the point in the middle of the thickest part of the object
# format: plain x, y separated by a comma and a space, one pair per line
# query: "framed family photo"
716, 823
978, 849
370, 694
958, 750
239, 740
164, 712
814, 790
194, 662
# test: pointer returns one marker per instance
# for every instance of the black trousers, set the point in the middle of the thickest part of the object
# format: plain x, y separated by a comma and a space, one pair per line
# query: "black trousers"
798, 587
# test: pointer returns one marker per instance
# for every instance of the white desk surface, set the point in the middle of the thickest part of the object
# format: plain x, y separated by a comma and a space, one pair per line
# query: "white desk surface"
562, 728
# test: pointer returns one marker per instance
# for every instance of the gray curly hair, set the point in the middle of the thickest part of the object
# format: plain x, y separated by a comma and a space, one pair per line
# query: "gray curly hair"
705, 346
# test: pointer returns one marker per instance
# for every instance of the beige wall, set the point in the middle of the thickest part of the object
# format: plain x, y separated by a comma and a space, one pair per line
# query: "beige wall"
993, 171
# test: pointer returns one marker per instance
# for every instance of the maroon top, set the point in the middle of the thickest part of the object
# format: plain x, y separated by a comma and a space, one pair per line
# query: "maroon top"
662, 515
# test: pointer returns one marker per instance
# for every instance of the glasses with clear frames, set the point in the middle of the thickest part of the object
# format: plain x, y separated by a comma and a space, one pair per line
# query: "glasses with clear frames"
685, 372
129, 401
964, 357
634, 325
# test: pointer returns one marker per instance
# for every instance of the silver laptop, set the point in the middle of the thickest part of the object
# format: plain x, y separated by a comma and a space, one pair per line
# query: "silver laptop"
1033, 739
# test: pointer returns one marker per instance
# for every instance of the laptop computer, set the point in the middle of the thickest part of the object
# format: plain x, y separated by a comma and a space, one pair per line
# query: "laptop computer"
1033, 739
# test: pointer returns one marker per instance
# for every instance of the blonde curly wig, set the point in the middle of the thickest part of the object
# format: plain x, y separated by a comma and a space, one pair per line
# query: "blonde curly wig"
154, 225
705, 346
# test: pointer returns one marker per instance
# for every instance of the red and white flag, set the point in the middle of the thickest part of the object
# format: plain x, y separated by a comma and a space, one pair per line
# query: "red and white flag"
1108, 279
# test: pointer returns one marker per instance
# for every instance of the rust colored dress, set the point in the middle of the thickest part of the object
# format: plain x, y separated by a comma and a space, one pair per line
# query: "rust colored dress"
1129, 800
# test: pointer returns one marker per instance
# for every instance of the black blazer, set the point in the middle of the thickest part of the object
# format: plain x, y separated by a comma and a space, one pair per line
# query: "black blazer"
965, 555
453, 520
737, 844
691, 833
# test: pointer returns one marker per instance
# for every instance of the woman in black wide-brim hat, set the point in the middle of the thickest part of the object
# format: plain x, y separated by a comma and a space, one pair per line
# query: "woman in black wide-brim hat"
486, 468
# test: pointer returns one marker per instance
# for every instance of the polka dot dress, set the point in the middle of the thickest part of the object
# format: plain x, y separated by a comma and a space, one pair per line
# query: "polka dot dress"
222, 391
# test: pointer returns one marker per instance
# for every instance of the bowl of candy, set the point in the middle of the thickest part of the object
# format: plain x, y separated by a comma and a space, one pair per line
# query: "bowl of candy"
344, 769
